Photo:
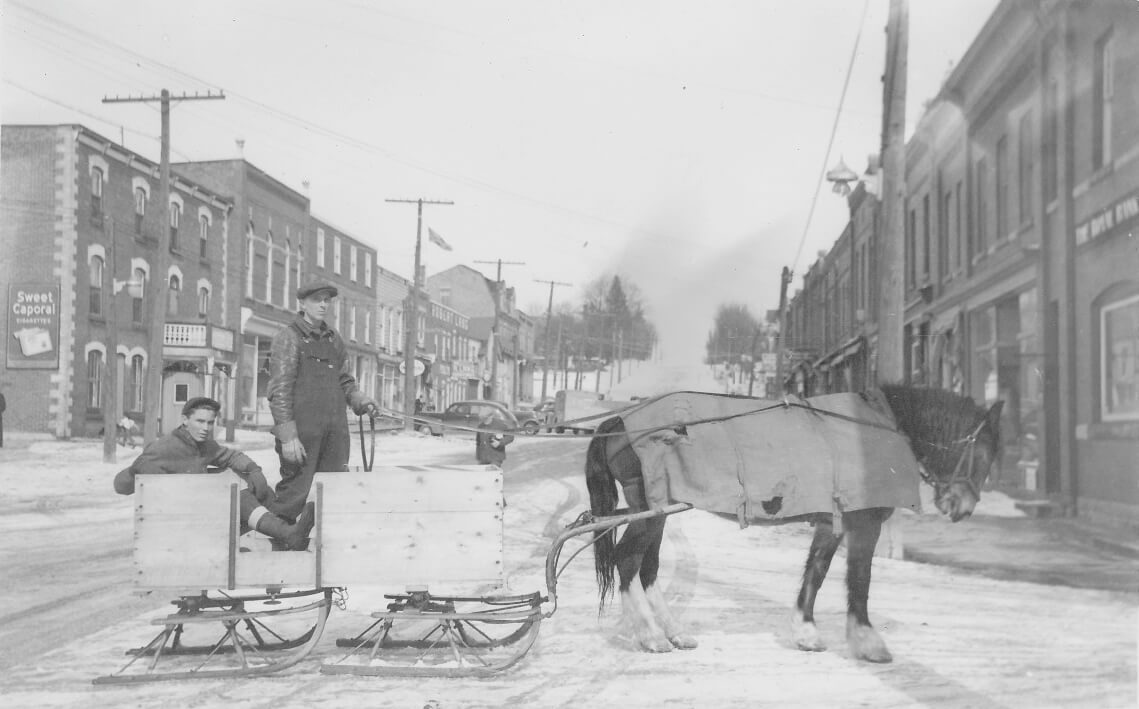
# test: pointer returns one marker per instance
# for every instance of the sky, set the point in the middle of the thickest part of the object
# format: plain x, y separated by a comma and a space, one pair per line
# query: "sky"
680, 145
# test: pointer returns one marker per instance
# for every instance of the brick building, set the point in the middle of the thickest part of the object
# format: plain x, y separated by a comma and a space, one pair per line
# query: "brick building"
80, 219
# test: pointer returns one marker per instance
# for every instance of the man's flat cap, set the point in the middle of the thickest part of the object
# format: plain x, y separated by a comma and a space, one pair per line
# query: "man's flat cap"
316, 287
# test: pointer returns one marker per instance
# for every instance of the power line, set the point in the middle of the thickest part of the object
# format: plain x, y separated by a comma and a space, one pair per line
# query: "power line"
834, 129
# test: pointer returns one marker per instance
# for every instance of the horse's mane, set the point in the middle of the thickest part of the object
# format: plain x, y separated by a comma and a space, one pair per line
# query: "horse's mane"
934, 415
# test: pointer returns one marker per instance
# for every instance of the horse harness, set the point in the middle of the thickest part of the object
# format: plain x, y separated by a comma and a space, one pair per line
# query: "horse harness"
962, 472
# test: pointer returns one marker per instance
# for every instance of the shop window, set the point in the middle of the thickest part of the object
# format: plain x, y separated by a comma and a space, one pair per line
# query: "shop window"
1119, 360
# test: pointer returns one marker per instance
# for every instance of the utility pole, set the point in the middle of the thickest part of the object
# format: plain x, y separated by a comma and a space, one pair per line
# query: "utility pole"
411, 314
154, 361
892, 255
781, 350
111, 361
891, 296
549, 312
492, 351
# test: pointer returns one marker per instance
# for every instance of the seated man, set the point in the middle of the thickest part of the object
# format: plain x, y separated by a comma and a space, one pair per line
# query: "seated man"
490, 442
190, 448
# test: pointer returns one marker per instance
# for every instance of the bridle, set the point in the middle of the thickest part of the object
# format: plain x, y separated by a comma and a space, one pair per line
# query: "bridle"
963, 471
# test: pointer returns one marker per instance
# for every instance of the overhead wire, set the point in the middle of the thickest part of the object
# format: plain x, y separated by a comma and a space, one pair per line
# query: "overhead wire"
830, 141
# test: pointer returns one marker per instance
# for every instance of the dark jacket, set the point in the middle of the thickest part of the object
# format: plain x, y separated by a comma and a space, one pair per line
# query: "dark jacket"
283, 366
490, 442
178, 453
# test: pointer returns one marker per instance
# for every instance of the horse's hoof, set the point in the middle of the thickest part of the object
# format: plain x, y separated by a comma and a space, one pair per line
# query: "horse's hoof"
656, 645
866, 644
806, 636
683, 642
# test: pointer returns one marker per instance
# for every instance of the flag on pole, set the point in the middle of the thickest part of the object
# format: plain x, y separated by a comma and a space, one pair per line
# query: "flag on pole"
434, 238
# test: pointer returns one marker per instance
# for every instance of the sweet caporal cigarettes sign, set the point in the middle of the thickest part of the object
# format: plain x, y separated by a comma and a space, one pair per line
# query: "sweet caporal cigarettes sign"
33, 326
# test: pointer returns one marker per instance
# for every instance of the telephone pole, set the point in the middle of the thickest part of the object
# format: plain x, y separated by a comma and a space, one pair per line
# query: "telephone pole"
549, 313
492, 351
892, 294
154, 361
411, 314
781, 350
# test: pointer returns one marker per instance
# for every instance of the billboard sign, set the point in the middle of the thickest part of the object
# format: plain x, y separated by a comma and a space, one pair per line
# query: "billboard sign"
33, 326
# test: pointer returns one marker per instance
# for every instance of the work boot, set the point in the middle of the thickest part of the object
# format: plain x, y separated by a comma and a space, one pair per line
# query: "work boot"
288, 537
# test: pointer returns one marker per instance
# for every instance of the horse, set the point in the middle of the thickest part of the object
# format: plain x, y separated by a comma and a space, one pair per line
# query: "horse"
954, 440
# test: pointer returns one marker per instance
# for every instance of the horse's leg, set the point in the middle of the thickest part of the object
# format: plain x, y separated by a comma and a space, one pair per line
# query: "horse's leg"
637, 613
863, 640
823, 546
650, 566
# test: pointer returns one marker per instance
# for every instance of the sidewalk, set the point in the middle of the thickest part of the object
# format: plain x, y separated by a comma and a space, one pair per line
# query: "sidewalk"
1000, 541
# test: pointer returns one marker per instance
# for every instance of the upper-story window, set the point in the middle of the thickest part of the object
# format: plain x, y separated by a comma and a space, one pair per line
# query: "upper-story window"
172, 295
94, 378
320, 247
203, 234
203, 301
368, 326
1024, 168
249, 256
981, 191
352, 323
352, 263
1002, 188
139, 208
336, 254
1103, 92
175, 222
96, 191
368, 268
95, 276
137, 309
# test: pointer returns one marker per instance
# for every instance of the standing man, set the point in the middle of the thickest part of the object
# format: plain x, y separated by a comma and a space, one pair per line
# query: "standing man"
310, 382
191, 449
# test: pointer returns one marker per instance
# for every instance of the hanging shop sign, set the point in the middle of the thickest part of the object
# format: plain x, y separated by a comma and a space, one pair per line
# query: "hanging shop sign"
33, 326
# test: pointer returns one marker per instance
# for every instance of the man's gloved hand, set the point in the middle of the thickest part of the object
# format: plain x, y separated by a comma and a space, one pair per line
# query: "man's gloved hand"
293, 451
366, 405
259, 485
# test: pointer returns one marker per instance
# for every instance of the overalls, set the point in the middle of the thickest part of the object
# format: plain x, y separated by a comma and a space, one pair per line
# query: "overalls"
322, 424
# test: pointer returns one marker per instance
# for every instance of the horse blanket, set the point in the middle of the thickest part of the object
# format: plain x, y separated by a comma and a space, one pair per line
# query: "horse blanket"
763, 461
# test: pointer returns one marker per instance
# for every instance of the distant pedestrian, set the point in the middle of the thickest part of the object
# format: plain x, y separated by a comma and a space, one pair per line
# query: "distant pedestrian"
418, 405
126, 428
492, 439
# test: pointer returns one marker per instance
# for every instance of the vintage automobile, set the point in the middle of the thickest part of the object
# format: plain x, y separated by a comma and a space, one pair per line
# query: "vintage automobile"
463, 415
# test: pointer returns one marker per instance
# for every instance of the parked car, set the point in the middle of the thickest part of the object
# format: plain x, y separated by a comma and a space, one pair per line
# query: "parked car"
463, 413
529, 421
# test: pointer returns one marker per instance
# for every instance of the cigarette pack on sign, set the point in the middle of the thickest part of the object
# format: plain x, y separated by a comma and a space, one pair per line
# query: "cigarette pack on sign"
33, 341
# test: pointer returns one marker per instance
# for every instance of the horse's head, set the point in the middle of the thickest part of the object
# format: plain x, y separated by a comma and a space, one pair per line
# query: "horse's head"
956, 442
959, 468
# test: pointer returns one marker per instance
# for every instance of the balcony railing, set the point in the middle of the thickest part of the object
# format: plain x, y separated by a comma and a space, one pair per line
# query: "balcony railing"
185, 335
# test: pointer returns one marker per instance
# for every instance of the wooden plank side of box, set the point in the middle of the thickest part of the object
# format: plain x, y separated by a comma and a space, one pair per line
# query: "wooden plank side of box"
412, 488
181, 530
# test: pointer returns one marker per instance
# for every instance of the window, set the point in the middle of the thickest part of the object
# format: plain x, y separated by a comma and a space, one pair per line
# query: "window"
320, 247
138, 373
175, 221
925, 236
1119, 360
203, 235
172, 295
352, 323
139, 208
96, 192
95, 276
958, 226
1002, 188
249, 256
336, 254
368, 268
137, 310
981, 192
911, 247
94, 379
1051, 141
368, 326
1103, 90
944, 215
1024, 167
352, 263
203, 301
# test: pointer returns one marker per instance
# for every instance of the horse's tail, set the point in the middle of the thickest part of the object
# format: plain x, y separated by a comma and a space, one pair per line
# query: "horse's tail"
602, 501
